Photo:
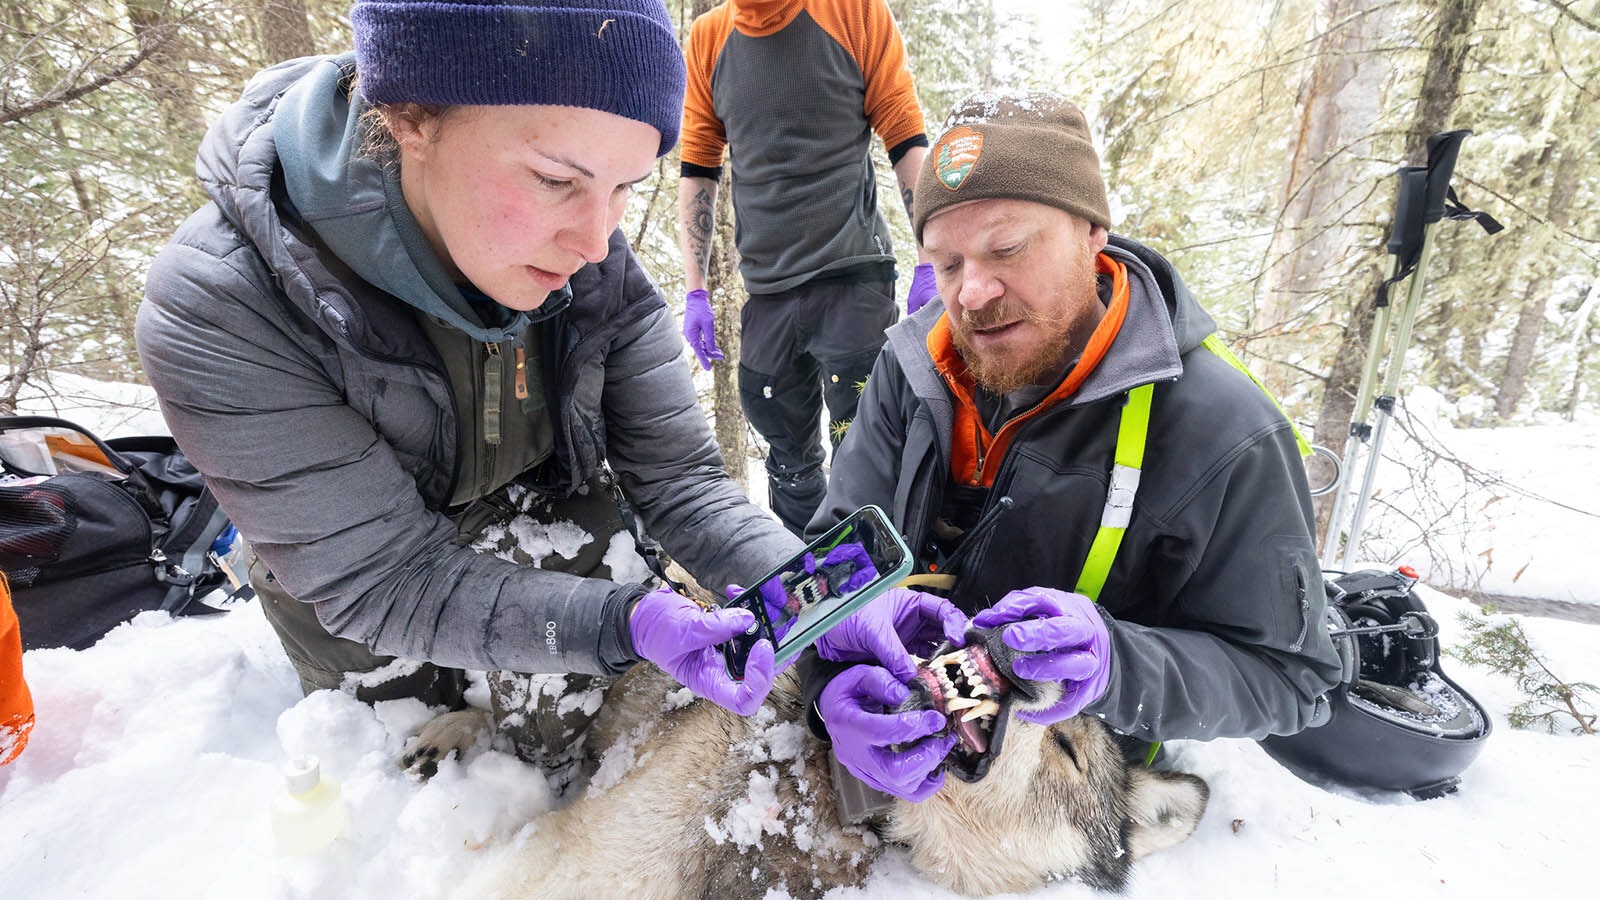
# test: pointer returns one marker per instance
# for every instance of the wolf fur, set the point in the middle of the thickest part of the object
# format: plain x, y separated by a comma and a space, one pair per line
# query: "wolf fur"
691, 801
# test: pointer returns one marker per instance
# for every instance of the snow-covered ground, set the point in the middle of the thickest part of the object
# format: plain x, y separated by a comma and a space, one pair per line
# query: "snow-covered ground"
156, 755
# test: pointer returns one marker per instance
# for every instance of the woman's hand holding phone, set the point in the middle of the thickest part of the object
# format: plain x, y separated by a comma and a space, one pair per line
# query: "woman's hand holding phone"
684, 639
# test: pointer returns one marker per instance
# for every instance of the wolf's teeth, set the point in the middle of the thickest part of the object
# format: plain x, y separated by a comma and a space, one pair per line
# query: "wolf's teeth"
949, 659
985, 708
980, 689
956, 703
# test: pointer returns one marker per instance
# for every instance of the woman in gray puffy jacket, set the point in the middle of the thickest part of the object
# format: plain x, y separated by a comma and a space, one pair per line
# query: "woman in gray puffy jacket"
408, 311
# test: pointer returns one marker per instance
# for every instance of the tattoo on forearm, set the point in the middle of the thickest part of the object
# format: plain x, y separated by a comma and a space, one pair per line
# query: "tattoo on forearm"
907, 194
701, 222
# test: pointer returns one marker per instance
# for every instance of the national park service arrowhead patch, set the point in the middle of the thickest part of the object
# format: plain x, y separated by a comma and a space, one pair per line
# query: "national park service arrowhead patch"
956, 154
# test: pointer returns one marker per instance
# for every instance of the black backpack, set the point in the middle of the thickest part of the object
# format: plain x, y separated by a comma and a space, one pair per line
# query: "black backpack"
127, 525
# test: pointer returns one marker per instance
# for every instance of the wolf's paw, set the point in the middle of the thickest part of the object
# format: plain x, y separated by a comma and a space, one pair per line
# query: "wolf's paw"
451, 733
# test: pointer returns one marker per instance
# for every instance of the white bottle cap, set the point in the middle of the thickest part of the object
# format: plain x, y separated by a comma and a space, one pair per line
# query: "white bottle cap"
301, 774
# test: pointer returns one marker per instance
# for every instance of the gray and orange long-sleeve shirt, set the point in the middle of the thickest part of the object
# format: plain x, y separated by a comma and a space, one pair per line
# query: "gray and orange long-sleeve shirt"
794, 89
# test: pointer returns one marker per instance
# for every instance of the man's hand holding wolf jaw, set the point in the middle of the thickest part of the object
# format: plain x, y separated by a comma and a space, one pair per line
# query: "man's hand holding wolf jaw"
893, 627
897, 753
1063, 639
683, 638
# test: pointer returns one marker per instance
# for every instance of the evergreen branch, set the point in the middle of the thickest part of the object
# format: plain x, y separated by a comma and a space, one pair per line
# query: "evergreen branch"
61, 98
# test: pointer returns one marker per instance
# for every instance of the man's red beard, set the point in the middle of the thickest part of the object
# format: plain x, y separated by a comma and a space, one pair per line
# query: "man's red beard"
1064, 332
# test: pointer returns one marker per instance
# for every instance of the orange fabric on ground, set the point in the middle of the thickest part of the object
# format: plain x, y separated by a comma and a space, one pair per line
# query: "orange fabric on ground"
975, 454
16, 704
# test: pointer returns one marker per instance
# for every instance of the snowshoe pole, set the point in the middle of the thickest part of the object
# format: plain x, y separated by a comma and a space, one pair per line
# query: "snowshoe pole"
1424, 199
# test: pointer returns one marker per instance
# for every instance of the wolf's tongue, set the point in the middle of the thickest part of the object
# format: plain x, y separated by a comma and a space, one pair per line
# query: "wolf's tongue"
970, 734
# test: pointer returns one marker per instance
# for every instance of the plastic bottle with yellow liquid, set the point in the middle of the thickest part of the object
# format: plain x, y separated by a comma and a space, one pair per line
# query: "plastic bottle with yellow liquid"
309, 814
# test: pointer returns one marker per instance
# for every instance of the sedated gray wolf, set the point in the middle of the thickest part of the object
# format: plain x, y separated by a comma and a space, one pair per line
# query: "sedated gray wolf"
689, 800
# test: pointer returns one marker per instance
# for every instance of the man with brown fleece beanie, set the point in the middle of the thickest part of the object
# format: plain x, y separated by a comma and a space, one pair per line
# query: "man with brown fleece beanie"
1149, 552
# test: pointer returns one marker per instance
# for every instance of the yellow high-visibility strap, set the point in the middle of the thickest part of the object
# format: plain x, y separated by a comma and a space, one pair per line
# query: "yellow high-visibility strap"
1132, 430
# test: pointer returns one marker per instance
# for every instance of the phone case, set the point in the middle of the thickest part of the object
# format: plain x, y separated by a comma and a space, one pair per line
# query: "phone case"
800, 584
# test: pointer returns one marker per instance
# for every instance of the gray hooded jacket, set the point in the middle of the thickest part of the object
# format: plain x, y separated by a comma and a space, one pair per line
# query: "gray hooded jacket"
280, 329
1214, 603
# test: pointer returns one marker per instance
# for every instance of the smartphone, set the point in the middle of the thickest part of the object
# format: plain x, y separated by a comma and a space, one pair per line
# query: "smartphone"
835, 575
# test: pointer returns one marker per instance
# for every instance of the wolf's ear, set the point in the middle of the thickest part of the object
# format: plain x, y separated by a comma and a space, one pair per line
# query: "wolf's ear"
1166, 808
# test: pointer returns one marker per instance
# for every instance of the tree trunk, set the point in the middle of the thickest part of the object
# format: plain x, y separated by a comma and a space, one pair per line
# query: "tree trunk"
1530, 319
1441, 88
1585, 331
728, 290
1339, 111
1575, 392
1441, 80
285, 31
728, 295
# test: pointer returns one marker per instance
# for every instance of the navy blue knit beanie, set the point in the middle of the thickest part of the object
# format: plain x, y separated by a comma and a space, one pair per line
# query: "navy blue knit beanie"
618, 56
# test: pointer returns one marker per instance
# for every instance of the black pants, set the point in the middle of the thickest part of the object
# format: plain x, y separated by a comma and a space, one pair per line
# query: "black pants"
799, 349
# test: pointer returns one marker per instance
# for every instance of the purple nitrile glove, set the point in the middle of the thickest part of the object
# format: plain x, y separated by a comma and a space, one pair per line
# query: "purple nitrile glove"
855, 707
700, 326
888, 630
923, 288
1064, 639
852, 552
682, 638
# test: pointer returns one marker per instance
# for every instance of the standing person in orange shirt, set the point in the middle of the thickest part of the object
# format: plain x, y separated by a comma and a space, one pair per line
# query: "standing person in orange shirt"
793, 90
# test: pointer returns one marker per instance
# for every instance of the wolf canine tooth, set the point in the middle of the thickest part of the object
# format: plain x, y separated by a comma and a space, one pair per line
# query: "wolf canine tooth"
952, 658
962, 703
984, 708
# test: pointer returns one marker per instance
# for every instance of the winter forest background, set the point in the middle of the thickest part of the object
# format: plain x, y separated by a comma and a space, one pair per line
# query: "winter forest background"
1253, 141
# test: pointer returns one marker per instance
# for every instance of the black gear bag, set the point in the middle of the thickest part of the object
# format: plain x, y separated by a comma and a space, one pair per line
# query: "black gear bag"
94, 532
1398, 722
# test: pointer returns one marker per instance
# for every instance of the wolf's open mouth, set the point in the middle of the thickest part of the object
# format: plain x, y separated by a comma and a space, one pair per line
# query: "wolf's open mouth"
967, 689
974, 690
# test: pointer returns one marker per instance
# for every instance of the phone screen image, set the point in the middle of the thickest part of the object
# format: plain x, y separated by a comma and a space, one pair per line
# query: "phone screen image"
835, 575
